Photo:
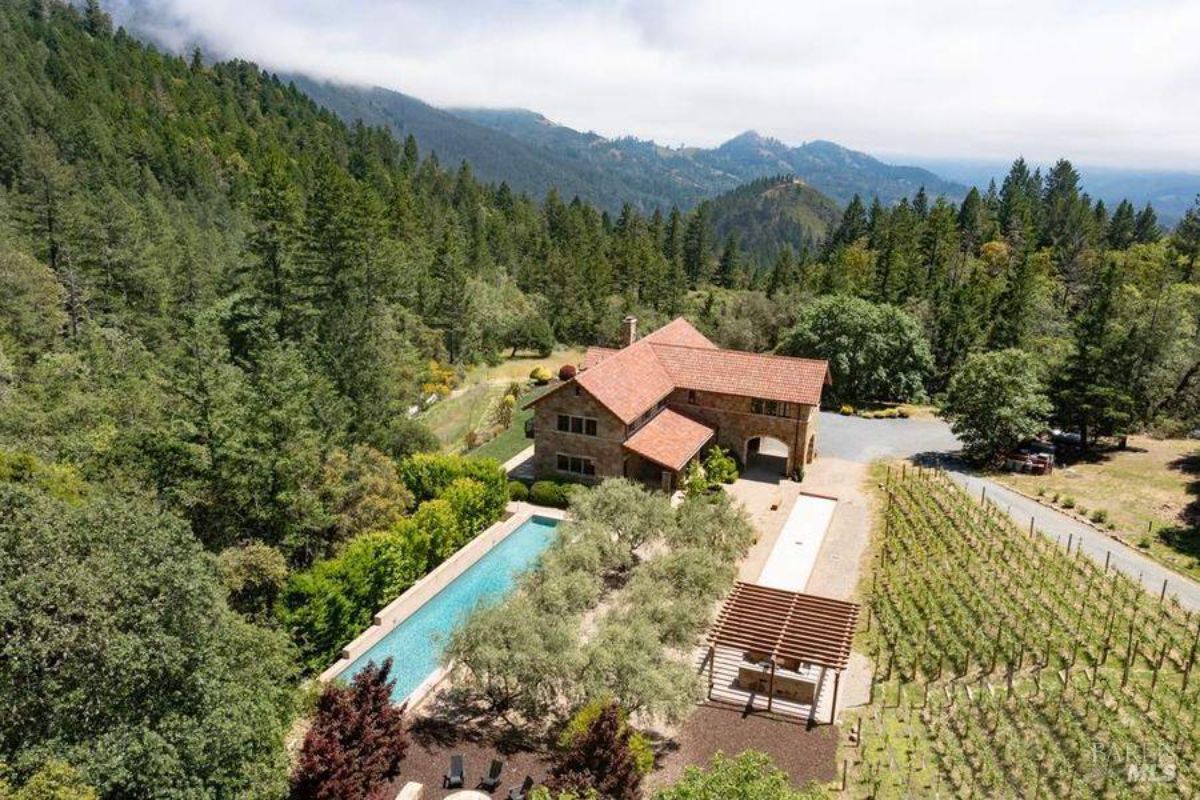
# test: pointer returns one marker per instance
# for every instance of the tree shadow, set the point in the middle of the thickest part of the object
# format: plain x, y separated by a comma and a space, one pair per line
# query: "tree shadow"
1185, 537
455, 717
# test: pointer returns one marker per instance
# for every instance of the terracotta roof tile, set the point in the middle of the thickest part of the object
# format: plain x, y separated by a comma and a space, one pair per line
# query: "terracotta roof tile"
677, 356
681, 332
670, 439
628, 382
595, 355
771, 377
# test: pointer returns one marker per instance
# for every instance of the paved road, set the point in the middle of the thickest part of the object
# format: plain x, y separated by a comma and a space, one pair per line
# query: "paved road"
864, 440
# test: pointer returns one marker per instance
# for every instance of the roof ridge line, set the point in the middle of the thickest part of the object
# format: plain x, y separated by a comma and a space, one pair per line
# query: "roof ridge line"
779, 356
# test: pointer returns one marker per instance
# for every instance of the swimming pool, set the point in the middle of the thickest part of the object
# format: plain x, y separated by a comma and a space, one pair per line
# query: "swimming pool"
416, 643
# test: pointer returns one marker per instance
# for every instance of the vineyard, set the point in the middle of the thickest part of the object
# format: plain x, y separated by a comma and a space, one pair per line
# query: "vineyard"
1009, 666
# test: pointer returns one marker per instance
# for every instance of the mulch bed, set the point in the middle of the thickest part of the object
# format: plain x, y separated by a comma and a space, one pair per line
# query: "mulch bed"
451, 727
805, 754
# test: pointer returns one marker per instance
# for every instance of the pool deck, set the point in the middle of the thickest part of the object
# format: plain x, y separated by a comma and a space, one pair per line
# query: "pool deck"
423, 590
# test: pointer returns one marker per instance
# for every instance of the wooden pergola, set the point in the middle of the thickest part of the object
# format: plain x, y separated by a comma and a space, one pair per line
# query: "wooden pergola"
780, 625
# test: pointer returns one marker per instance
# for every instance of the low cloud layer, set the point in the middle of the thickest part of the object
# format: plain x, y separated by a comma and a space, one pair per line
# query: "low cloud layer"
1101, 82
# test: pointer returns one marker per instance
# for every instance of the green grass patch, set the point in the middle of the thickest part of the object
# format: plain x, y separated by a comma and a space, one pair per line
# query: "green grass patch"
513, 440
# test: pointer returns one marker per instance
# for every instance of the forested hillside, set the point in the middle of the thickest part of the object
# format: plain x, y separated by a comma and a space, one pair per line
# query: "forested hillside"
218, 302
769, 214
686, 175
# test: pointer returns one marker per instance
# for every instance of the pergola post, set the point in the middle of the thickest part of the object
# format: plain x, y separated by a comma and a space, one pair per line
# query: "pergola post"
771, 687
712, 657
833, 709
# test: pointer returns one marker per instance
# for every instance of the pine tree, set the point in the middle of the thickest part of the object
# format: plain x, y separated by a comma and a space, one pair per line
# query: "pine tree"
729, 266
356, 743
697, 245
1145, 228
1122, 226
273, 245
1089, 393
1185, 243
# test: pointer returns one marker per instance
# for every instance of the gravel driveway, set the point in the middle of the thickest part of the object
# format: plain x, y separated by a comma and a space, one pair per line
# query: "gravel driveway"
865, 440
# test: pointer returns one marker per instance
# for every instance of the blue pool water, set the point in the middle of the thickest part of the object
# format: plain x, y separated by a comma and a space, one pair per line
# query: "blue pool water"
416, 644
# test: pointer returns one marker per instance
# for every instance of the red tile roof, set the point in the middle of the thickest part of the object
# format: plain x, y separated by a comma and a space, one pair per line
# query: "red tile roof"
632, 380
595, 355
792, 380
679, 331
628, 382
670, 439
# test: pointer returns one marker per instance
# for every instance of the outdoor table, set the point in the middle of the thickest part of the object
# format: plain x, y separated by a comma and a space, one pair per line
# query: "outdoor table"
468, 794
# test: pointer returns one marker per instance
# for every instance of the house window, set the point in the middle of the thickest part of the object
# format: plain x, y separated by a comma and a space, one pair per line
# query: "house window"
576, 465
578, 390
770, 408
585, 426
691, 397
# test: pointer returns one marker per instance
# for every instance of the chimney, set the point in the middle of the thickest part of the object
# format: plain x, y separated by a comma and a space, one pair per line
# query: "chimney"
630, 330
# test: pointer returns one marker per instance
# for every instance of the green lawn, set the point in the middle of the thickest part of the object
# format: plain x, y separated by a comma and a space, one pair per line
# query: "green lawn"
513, 440
467, 409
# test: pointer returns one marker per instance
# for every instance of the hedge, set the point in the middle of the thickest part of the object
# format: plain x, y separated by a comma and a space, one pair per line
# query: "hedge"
327, 605
550, 493
427, 475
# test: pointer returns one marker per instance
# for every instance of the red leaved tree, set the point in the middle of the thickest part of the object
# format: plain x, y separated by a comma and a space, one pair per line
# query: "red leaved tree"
600, 759
356, 742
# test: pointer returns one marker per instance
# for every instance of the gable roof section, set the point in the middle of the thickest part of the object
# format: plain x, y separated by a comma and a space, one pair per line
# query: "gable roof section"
679, 332
595, 355
670, 439
791, 380
629, 382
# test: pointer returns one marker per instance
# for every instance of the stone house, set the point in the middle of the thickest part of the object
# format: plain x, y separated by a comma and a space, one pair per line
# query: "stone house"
648, 409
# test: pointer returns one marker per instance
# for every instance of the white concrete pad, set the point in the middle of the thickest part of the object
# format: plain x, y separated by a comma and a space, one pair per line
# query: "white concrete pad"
792, 558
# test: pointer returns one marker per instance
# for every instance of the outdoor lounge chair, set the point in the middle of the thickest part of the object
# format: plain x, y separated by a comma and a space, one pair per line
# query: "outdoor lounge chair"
523, 792
454, 778
493, 777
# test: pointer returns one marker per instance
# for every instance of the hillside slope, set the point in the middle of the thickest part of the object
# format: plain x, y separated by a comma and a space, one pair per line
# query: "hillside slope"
832, 169
770, 213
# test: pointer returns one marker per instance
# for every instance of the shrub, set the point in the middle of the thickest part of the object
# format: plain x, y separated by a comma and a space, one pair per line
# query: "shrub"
585, 717
749, 776
548, 493
1081, 511
846, 410
475, 504
1041, 491
518, 492
720, 467
1100, 516
566, 372
502, 412
356, 742
1144, 543
540, 375
600, 759
514, 389
902, 413
428, 474
695, 482
326, 606
1068, 502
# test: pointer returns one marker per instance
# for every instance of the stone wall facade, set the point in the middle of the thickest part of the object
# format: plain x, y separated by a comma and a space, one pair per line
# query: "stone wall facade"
736, 423
605, 448
732, 416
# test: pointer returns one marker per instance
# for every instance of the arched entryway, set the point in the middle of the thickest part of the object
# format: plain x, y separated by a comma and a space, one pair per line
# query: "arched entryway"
765, 455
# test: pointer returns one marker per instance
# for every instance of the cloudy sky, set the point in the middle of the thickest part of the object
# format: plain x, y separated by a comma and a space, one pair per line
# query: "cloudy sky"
1109, 82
